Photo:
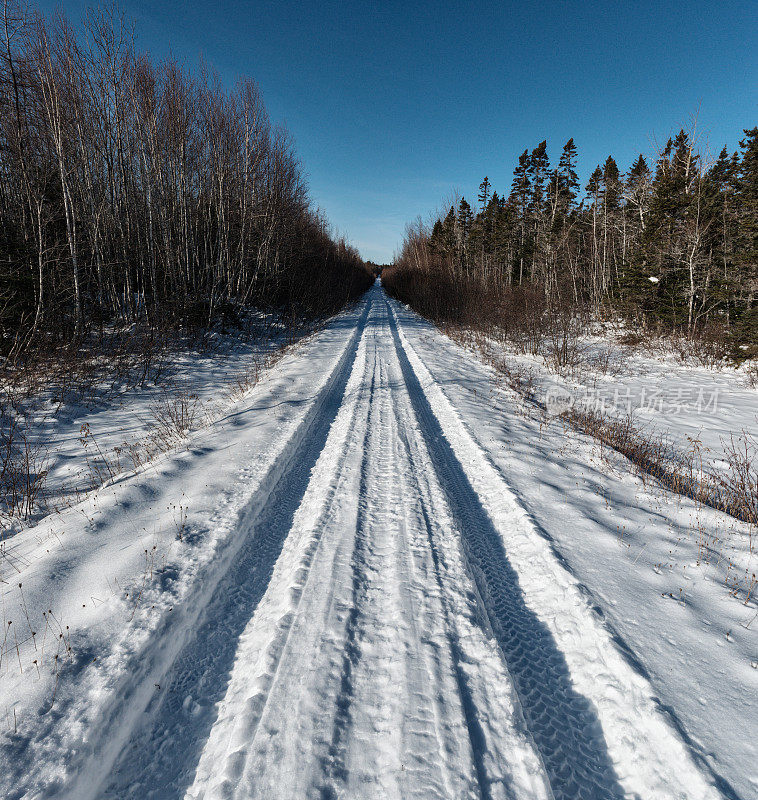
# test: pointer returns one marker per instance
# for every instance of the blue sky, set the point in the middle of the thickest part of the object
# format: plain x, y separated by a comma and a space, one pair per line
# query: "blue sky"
393, 105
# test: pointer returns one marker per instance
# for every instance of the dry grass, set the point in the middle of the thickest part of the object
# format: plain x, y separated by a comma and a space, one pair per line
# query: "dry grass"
23, 468
91, 381
174, 416
733, 491
526, 321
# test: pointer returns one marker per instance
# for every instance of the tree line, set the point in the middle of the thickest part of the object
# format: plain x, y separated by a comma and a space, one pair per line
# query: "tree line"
671, 244
136, 193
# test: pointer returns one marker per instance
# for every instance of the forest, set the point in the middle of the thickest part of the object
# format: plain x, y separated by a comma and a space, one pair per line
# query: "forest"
670, 246
142, 196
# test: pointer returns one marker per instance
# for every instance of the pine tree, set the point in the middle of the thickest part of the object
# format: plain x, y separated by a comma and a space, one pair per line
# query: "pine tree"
747, 241
635, 284
484, 192
539, 167
637, 190
484, 228
464, 221
435, 239
721, 181
677, 245
569, 181
489, 224
521, 188
747, 198
448, 234
611, 184
539, 170
594, 190
594, 185
611, 187
521, 185
675, 239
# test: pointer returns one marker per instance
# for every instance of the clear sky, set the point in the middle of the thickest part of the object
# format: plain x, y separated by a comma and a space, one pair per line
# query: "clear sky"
394, 104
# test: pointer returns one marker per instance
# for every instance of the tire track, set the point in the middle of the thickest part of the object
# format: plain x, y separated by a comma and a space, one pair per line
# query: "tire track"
165, 749
408, 724
335, 767
270, 721
393, 680
505, 762
366, 635
595, 720
562, 723
476, 736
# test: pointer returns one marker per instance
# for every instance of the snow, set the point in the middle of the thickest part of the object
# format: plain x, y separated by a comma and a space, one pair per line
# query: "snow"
91, 435
375, 576
700, 408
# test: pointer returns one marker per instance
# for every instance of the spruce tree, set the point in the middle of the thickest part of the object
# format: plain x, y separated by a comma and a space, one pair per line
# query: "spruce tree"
721, 180
539, 167
521, 185
484, 192
569, 181
448, 235
635, 285
435, 239
464, 222
539, 170
747, 198
521, 188
611, 185
611, 191
637, 190
594, 189
747, 243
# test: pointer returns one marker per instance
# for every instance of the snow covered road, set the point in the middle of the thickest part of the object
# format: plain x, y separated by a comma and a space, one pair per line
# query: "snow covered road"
382, 619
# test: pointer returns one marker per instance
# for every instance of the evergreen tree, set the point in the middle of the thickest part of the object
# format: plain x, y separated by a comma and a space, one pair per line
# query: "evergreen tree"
521, 185
746, 254
464, 222
674, 240
569, 181
594, 190
448, 233
484, 192
435, 239
485, 226
539, 170
637, 190
722, 178
594, 185
521, 189
442, 238
490, 219
677, 245
611, 185
635, 285
539, 167
747, 198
